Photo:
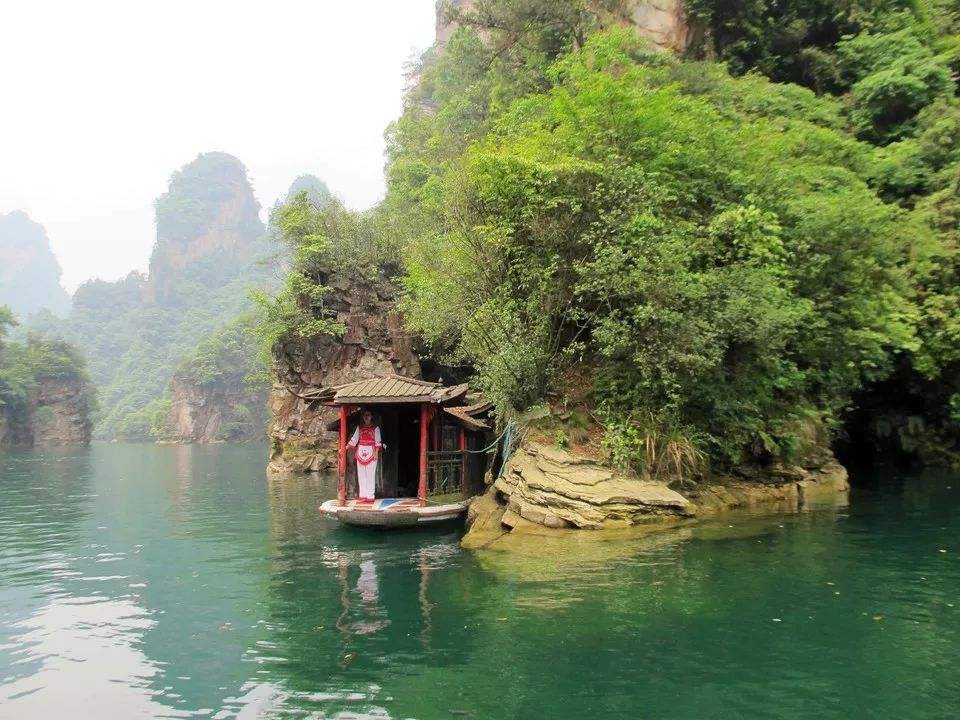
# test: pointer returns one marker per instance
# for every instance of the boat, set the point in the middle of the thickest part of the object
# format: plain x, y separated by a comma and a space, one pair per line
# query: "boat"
432, 461
393, 512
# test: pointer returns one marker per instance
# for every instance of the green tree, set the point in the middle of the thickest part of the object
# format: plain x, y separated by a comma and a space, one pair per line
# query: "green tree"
724, 270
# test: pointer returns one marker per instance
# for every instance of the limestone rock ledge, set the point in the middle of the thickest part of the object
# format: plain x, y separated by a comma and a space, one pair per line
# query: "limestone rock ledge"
545, 490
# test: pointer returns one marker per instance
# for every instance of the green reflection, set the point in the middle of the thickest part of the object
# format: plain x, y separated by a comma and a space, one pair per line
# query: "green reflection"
162, 581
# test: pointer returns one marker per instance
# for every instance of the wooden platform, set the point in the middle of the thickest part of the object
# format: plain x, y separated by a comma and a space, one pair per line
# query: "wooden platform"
392, 512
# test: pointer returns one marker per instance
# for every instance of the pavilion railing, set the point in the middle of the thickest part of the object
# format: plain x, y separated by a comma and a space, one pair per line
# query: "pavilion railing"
445, 468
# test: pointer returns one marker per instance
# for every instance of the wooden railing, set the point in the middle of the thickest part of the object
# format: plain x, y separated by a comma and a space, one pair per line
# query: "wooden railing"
446, 471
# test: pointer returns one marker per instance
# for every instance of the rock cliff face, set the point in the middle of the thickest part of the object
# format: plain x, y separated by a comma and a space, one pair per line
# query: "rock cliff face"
56, 413
214, 412
209, 211
375, 343
663, 22
61, 415
544, 489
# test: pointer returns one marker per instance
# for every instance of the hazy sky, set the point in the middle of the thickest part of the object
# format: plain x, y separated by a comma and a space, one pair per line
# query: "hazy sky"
102, 100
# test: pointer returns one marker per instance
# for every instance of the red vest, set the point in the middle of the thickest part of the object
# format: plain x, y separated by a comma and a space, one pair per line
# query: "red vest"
366, 442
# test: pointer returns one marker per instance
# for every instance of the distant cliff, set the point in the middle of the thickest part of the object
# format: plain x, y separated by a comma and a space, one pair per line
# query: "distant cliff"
211, 251
45, 397
208, 212
29, 271
218, 393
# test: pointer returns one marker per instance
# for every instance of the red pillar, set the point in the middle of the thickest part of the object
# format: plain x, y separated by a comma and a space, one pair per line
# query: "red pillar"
424, 422
463, 460
342, 457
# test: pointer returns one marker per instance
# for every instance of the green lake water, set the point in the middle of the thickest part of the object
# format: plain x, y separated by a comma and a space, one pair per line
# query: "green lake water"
142, 581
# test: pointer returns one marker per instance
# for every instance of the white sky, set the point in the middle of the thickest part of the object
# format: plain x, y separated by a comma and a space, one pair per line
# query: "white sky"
103, 100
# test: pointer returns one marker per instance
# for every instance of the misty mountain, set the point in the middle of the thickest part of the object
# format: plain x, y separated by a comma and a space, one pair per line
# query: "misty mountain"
29, 271
210, 252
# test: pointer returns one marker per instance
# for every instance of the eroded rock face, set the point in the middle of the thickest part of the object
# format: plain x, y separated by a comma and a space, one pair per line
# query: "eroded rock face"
212, 412
57, 413
553, 488
544, 489
787, 488
547, 488
61, 415
375, 343
663, 22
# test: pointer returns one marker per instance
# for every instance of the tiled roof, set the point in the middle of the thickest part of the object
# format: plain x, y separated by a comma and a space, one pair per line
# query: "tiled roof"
391, 389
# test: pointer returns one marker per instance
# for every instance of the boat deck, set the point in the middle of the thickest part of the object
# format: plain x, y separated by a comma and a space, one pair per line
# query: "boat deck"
392, 512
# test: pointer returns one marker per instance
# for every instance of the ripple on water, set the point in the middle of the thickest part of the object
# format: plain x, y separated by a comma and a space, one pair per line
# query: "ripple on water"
196, 587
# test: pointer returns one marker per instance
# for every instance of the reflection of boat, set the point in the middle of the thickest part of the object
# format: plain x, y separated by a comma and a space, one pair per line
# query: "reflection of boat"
393, 512
432, 461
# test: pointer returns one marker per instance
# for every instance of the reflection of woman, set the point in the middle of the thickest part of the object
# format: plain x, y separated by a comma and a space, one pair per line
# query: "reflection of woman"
366, 440
370, 613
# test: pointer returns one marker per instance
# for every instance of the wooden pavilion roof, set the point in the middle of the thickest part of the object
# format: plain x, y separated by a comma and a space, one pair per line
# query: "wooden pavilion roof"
387, 390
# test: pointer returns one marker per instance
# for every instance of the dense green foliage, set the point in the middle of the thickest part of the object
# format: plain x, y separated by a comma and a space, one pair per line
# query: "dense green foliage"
25, 365
737, 260
893, 65
820, 44
726, 270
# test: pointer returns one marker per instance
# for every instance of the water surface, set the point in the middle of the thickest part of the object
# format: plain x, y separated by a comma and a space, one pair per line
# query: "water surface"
142, 581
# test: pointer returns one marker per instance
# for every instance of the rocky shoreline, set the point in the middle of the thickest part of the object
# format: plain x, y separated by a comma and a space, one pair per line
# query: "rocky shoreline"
547, 491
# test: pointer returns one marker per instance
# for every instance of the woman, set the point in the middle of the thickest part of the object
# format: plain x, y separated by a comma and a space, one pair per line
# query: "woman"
366, 440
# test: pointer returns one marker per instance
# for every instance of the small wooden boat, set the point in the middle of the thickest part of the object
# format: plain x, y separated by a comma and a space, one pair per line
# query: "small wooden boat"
393, 512
433, 458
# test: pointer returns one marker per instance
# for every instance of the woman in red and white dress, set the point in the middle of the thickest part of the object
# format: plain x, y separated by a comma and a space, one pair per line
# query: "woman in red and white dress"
366, 440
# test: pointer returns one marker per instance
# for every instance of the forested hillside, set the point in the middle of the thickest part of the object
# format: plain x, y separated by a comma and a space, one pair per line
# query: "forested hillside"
219, 391
211, 252
29, 271
737, 255
892, 67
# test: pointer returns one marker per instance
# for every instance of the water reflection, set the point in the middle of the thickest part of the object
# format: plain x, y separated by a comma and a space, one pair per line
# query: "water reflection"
346, 605
138, 581
371, 616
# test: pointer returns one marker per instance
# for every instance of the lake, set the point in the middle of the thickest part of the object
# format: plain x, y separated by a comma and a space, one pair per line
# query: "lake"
142, 581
